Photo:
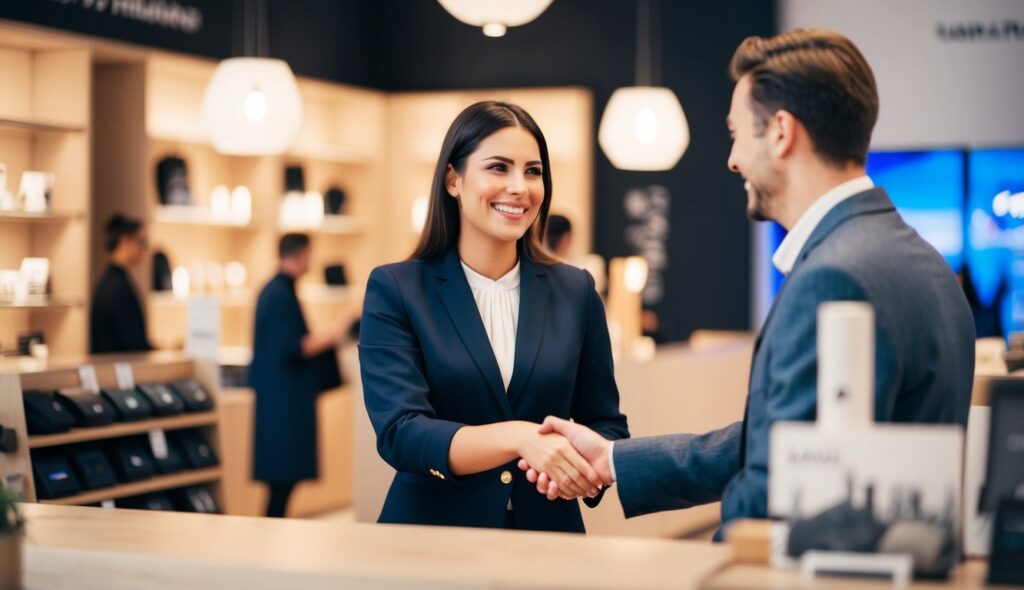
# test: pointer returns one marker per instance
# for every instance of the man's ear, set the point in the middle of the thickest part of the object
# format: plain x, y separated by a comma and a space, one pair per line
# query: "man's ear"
782, 130
452, 181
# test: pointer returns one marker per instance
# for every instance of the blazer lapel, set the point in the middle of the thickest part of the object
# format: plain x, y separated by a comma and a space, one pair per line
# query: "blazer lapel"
534, 293
461, 307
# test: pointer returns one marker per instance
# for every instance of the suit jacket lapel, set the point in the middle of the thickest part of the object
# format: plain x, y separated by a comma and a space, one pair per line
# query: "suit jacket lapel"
461, 307
534, 293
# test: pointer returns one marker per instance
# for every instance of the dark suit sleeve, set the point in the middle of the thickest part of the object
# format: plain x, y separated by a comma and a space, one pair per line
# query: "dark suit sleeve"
791, 394
410, 437
679, 471
673, 471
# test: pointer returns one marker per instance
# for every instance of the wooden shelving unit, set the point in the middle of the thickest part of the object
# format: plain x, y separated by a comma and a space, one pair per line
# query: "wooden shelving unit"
16, 468
119, 429
45, 106
153, 111
44, 303
146, 486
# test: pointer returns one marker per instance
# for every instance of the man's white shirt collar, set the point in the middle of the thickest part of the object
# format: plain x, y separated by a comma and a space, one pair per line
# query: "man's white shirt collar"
785, 257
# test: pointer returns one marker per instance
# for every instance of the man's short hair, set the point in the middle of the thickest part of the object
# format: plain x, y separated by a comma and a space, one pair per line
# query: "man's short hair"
120, 226
821, 78
292, 244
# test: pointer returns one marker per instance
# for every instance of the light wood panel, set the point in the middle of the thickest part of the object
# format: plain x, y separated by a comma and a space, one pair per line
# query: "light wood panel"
77, 435
172, 545
154, 484
44, 126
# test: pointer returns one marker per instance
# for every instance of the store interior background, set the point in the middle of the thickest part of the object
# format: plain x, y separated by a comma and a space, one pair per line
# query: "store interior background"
935, 93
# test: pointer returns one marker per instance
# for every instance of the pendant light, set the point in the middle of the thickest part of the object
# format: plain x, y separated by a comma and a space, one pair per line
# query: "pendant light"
495, 16
644, 127
252, 105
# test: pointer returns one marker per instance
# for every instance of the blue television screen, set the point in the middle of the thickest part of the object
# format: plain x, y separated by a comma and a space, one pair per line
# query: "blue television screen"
927, 187
995, 233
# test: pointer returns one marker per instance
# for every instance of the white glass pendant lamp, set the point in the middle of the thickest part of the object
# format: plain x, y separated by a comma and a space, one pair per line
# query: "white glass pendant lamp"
643, 127
495, 16
252, 106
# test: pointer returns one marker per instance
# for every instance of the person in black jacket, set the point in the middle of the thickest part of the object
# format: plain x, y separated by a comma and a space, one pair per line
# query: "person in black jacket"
116, 320
289, 368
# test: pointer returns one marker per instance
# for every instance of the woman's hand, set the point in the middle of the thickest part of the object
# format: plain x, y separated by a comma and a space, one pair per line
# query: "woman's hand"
552, 454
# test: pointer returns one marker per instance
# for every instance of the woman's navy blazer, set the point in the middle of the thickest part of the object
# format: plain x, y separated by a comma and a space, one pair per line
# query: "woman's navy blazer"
428, 369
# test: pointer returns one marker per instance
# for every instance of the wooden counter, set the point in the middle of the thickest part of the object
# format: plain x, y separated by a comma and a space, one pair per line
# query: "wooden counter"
92, 548
969, 576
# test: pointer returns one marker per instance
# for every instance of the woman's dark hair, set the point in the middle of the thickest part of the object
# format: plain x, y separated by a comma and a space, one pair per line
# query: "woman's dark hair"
120, 226
472, 126
558, 226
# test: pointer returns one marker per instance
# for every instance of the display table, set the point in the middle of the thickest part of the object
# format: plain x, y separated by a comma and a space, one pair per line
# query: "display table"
92, 548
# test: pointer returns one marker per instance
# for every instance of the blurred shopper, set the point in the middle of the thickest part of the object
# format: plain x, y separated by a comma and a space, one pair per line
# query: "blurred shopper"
117, 323
290, 367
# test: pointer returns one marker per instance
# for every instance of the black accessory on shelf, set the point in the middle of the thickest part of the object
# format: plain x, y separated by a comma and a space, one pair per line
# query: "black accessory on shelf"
1004, 469
8, 440
164, 400
129, 404
334, 275
334, 200
54, 477
173, 462
88, 408
93, 468
1006, 558
198, 453
172, 182
155, 501
132, 460
45, 414
26, 340
195, 397
161, 272
195, 499
294, 179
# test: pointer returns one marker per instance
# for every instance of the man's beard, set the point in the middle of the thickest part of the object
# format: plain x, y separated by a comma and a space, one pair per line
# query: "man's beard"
758, 208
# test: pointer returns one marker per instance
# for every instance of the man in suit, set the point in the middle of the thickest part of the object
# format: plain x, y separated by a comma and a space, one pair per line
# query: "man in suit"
801, 117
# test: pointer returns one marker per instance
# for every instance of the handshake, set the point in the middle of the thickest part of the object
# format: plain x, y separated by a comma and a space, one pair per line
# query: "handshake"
567, 461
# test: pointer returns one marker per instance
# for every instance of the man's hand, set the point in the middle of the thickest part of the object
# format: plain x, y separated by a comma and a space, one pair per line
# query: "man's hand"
593, 447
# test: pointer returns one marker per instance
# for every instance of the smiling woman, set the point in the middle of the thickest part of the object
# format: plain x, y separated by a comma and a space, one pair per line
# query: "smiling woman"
467, 346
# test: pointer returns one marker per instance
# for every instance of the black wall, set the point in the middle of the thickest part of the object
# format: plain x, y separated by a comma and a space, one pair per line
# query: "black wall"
592, 43
401, 45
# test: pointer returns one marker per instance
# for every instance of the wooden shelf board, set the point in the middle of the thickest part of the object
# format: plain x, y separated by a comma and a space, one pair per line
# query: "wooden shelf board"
326, 152
29, 126
44, 303
194, 216
240, 299
153, 484
119, 429
325, 294
47, 217
341, 225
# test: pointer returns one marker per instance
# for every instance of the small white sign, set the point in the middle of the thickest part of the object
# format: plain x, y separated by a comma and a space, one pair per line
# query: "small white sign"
108, 504
158, 443
203, 327
125, 377
87, 378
